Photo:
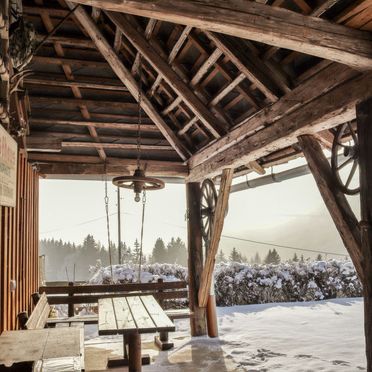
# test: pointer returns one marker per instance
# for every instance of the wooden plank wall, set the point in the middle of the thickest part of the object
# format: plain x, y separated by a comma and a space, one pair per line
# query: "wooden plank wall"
19, 247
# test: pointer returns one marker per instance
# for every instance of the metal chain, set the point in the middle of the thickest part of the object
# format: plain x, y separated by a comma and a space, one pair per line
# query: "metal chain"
141, 241
139, 112
108, 223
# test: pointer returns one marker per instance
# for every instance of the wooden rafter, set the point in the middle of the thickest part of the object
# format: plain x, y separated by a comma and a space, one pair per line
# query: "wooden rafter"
125, 76
168, 74
251, 20
172, 55
47, 21
250, 65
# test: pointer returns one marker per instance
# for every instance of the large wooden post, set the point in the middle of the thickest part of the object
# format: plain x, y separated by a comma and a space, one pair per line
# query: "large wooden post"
364, 122
195, 257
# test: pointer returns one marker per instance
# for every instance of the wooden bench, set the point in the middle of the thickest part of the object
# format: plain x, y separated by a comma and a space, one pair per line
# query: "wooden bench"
39, 320
72, 295
39, 317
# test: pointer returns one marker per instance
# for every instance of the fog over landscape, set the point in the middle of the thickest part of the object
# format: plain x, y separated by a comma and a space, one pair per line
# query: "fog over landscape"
289, 213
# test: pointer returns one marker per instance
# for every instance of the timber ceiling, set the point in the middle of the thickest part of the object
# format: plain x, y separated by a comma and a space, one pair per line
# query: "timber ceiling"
202, 86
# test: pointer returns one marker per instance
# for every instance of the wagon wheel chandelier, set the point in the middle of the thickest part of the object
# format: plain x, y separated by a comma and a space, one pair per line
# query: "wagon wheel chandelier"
139, 182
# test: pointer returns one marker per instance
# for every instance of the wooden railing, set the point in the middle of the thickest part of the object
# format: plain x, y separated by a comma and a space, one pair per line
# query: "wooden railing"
73, 294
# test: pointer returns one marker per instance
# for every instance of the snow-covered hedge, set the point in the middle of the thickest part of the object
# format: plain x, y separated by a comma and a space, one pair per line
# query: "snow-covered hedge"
242, 284
128, 273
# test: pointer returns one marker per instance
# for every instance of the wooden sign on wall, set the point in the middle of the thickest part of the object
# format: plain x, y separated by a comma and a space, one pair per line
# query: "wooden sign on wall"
8, 169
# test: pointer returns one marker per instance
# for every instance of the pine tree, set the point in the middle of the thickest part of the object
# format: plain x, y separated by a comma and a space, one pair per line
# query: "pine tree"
176, 252
302, 260
295, 258
257, 258
268, 258
235, 256
272, 257
221, 257
319, 257
275, 257
159, 253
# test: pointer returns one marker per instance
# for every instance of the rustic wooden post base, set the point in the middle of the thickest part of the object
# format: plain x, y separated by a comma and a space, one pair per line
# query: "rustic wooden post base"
212, 316
162, 341
135, 360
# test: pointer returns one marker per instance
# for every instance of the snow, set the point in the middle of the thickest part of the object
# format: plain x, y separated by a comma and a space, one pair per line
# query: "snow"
287, 337
291, 337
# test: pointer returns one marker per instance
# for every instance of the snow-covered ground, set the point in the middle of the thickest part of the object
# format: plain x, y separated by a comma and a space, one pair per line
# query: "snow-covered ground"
292, 337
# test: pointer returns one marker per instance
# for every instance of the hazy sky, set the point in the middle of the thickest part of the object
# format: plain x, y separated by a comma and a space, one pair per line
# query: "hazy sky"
289, 213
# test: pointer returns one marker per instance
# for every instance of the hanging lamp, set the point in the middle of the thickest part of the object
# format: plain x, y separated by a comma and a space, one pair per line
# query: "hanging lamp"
139, 182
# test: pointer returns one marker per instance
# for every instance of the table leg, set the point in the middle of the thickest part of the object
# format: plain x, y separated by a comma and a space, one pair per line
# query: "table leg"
125, 342
135, 360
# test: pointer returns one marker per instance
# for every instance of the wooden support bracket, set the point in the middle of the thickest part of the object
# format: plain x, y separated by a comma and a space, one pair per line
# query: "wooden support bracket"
217, 227
335, 200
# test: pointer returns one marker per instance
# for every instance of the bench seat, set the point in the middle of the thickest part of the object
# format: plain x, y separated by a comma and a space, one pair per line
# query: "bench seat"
86, 319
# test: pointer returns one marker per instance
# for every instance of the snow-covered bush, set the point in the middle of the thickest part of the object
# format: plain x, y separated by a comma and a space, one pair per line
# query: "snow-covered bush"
242, 284
128, 273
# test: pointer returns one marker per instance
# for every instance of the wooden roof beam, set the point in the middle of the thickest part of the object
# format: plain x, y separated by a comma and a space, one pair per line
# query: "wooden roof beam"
49, 100
119, 168
115, 146
85, 82
101, 125
320, 83
329, 110
168, 74
251, 20
126, 77
67, 41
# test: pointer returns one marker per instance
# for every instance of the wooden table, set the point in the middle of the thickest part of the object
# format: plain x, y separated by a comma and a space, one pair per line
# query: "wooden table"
41, 344
131, 316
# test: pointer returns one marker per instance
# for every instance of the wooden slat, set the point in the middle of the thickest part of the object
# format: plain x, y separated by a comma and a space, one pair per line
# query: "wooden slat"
18, 347
251, 20
123, 315
157, 314
106, 317
140, 315
65, 341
